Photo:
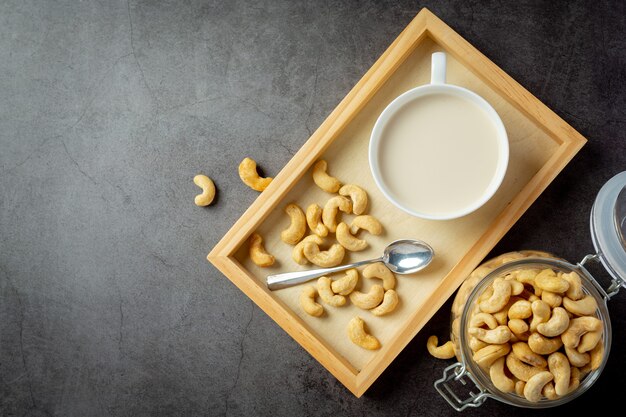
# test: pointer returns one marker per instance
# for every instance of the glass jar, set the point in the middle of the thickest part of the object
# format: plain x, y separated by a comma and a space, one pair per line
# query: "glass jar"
608, 227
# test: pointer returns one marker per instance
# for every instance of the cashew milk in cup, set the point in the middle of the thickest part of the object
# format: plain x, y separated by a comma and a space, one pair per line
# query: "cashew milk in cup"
439, 151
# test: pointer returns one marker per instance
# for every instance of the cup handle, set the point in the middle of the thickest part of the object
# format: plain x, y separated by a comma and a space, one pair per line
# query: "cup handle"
438, 68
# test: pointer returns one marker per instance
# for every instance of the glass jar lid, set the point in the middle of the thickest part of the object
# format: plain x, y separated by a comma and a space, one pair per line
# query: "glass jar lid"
608, 227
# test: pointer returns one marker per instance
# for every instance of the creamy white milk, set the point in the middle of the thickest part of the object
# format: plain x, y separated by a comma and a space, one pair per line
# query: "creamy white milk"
438, 154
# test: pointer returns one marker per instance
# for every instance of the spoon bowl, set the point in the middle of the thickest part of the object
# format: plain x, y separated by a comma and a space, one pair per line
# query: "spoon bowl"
404, 256
407, 256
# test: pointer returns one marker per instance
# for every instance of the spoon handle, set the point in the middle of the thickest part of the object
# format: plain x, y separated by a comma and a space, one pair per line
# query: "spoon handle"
289, 279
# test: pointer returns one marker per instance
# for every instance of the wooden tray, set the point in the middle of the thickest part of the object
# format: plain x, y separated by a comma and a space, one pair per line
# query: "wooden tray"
541, 144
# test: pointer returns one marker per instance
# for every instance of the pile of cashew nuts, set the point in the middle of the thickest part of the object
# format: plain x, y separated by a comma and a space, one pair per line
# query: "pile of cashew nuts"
350, 199
379, 300
536, 332
321, 222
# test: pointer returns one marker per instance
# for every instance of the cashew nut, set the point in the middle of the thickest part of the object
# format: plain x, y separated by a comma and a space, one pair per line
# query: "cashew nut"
577, 328
597, 355
521, 309
576, 358
368, 300
499, 298
516, 287
307, 302
519, 369
541, 314
525, 276
589, 341
346, 284
499, 378
549, 392
483, 319
297, 228
558, 323
327, 295
250, 177
366, 222
345, 238
332, 206
357, 195
548, 281
544, 345
523, 352
445, 351
331, 257
489, 354
517, 326
552, 299
519, 387
208, 190
559, 366
497, 336
585, 306
501, 317
314, 220
390, 301
323, 180
258, 254
358, 335
476, 344
379, 270
297, 253
575, 291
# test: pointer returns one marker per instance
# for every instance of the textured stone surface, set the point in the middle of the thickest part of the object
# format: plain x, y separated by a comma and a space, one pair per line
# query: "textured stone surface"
107, 304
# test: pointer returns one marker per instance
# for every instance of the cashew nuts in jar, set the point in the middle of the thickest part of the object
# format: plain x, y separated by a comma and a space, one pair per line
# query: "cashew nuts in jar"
554, 330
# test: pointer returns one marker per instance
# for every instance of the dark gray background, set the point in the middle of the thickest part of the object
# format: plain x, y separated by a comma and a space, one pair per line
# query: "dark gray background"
109, 108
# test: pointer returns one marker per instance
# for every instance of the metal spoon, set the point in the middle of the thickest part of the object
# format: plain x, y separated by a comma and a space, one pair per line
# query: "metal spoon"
402, 257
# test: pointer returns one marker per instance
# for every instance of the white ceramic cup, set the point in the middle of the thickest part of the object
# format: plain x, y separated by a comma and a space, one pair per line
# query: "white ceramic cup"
438, 86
